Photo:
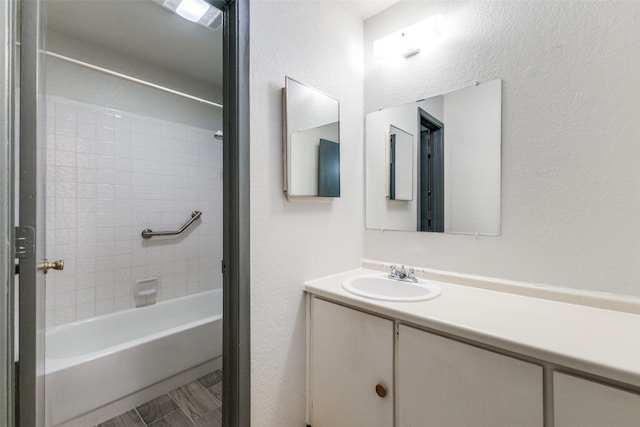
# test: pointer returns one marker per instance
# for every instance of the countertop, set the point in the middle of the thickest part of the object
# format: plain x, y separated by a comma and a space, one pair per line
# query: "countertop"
596, 341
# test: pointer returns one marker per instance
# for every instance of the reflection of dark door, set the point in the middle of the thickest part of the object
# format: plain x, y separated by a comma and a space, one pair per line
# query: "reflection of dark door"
328, 169
431, 185
392, 167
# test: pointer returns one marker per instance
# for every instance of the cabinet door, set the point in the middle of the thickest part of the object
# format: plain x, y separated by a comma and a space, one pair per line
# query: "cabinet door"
584, 403
350, 354
445, 383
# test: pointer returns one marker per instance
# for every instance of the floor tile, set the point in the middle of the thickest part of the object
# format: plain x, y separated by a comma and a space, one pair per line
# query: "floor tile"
216, 391
128, 419
175, 419
211, 379
194, 400
157, 408
212, 419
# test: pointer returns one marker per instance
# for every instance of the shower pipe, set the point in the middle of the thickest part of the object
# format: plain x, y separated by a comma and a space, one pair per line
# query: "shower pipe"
148, 233
130, 78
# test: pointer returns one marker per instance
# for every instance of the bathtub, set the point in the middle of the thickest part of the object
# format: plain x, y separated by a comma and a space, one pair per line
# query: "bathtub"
94, 362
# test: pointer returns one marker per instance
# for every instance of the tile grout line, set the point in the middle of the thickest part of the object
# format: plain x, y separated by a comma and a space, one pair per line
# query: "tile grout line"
140, 416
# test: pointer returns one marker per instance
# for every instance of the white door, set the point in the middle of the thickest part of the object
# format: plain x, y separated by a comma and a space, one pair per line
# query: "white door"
445, 383
351, 368
584, 403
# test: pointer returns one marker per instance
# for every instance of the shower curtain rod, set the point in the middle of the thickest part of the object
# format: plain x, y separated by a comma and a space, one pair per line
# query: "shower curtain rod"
129, 78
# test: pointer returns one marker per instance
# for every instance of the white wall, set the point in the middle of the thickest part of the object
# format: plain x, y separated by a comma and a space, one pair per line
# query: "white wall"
319, 43
85, 85
570, 195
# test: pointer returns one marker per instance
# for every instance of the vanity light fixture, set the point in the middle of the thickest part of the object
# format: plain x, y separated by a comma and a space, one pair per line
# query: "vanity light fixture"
409, 41
198, 11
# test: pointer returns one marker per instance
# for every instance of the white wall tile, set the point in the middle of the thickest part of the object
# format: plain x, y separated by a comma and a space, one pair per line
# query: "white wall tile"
110, 175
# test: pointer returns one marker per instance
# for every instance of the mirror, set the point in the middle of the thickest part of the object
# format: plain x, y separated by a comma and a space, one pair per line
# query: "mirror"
311, 142
400, 164
447, 179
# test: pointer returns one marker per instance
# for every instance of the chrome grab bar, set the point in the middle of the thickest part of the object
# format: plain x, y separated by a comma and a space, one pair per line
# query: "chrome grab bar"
148, 233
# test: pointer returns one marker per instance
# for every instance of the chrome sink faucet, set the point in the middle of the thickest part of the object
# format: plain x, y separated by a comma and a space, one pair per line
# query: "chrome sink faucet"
402, 274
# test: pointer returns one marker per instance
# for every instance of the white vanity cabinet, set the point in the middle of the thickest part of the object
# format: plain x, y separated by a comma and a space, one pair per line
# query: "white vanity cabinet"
472, 357
350, 372
584, 403
439, 381
443, 382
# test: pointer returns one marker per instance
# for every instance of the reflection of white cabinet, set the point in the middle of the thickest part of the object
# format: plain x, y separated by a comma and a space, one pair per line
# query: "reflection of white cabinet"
584, 403
443, 382
350, 354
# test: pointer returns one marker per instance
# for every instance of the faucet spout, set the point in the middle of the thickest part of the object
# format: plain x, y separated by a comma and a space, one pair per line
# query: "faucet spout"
402, 274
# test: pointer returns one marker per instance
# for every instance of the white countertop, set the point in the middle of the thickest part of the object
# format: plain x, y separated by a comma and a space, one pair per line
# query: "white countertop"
598, 341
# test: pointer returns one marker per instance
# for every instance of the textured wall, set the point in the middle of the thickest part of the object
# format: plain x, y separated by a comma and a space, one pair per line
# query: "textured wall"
570, 152
319, 44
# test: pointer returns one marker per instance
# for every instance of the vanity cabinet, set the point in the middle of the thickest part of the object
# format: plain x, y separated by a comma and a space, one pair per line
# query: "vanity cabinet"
350, 373
584, 403
439, 381
443, 382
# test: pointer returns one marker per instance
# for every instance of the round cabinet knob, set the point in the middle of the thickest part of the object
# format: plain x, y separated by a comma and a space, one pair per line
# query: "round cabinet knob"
381, 390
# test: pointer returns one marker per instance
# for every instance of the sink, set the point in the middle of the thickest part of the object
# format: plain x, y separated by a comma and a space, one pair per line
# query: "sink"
380, 287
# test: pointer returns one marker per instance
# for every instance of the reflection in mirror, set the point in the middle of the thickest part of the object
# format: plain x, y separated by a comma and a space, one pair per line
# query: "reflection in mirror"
311, 142
456, 184
400, 164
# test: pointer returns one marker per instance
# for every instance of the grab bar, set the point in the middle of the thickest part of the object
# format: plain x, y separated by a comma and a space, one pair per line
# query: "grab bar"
148, 233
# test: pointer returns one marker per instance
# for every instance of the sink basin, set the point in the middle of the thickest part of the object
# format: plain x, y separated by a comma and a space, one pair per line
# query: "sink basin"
380, 287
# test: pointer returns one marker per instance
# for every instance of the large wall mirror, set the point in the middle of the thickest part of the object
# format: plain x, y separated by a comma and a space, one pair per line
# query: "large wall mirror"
434, 165
311, 142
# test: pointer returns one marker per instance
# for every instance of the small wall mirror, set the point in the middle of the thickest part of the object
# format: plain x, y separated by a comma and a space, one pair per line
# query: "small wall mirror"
311, 142
400, 164
445, 179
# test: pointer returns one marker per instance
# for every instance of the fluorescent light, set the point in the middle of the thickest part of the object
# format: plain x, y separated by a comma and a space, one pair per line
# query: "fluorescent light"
408, 41
197, 11
193, 10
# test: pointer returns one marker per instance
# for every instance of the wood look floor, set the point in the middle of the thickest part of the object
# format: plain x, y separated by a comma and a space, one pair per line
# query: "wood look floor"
198, 404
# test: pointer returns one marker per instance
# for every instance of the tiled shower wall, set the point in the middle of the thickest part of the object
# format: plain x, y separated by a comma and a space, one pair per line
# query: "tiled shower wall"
111, 174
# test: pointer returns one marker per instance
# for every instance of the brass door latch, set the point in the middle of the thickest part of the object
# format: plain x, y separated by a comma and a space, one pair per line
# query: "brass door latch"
56, 265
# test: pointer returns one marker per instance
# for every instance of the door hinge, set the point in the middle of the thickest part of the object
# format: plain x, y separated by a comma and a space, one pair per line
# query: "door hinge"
25, 242
223, 267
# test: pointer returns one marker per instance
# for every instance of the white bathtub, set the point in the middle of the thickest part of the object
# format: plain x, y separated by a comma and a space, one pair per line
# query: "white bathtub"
94, 362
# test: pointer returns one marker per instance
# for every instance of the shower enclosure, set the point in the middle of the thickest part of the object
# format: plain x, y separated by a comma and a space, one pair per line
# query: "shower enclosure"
119, 107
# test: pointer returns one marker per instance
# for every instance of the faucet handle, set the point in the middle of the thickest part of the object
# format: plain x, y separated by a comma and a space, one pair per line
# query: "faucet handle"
411, 274
394, 271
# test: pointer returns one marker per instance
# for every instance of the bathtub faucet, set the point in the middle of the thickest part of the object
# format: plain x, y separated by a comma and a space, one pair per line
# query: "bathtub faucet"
402, 274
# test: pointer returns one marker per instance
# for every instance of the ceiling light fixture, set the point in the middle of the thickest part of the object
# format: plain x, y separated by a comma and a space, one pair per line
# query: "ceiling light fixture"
409, 41
193, 10
198, 11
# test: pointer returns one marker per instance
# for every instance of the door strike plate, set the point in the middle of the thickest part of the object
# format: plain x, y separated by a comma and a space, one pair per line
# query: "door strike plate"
25, 242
